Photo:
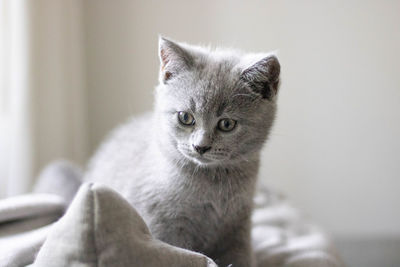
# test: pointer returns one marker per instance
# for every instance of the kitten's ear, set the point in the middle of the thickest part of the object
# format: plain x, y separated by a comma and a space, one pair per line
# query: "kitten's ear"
263, 76
173, 58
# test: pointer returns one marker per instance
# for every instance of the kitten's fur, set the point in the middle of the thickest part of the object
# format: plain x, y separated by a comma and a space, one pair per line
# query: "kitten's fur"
199, 202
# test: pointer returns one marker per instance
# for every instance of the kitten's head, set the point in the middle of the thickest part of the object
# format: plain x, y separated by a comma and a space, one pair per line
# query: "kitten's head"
214, 106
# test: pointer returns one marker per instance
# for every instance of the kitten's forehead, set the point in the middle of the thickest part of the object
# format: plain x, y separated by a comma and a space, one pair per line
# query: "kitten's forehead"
214, 83
211, 85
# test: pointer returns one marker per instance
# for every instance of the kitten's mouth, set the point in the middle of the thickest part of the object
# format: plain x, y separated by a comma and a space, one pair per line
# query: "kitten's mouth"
202, 159
198, 159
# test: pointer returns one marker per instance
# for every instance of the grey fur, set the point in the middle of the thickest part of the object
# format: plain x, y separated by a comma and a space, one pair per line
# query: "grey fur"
198, 202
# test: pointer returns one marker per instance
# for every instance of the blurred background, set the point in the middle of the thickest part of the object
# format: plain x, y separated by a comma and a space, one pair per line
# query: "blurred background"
72, 70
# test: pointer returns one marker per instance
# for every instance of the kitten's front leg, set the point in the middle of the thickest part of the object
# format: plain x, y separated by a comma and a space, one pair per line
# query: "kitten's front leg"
238, 253
237, 257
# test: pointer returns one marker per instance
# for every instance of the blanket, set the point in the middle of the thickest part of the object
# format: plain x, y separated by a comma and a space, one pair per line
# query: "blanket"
66, 223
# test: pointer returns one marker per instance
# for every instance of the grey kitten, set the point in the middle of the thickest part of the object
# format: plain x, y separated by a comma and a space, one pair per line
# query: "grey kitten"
190, 167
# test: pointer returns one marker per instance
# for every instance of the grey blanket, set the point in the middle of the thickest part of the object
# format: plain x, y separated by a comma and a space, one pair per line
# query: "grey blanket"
99, 228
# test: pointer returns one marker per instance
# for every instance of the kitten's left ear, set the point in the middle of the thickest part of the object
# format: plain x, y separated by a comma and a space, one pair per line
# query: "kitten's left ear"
263, 76
173, 58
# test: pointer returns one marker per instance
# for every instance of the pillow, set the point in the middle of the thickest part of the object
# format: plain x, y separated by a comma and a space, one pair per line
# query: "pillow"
100, 228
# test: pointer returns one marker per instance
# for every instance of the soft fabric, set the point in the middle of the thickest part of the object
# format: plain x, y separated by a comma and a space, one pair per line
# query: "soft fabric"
61, 178
30, 205
24, 224
25, 219
280, 236
100, 228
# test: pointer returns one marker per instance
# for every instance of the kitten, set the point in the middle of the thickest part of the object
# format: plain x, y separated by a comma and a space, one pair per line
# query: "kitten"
190, 166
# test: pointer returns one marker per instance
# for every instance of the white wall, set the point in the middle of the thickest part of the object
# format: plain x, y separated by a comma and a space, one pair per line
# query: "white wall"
335, 148
42, 88
58, 86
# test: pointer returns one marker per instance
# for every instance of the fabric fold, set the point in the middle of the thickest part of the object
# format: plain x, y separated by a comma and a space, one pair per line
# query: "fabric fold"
108, 232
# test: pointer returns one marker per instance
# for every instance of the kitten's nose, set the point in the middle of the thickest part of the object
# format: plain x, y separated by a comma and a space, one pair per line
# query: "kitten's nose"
201, 149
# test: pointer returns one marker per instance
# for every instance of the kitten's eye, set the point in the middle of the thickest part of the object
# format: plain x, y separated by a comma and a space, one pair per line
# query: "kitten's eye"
186, 118
226, 125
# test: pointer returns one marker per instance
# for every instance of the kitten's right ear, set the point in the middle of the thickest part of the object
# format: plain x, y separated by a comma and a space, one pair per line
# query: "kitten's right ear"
263, 76
173, 58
